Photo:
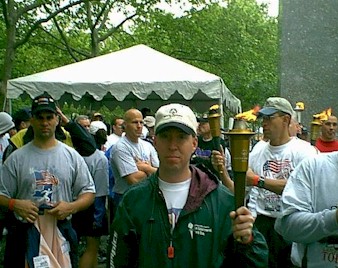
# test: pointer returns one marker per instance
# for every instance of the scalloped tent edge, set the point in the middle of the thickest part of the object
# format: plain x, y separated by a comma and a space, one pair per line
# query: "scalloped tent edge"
138, 76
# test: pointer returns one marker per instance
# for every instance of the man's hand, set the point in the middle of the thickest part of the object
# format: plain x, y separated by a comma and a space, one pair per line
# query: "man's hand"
61, 210
218, 160
64, 118
145, 166
26, 209
242, 224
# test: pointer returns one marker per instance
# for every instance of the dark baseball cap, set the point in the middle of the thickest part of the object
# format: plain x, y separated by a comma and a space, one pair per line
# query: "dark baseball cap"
203, 118
43, 102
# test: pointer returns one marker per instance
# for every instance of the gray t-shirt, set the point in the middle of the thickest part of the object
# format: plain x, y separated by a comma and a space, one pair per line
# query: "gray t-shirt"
45, 176
123, 157
98, 167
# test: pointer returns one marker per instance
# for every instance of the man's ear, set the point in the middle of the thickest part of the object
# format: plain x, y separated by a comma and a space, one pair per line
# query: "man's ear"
58, 118
195, 143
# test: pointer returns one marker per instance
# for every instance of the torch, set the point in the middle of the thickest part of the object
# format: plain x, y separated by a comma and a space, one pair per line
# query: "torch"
315, 129
215, 127
240, 137
317, 123
299, 109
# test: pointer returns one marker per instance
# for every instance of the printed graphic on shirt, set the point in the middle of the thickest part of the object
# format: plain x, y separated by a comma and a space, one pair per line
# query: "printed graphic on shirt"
280, 169
277, 169
203, 153
173, 214
330, 254
198, 229
45, 186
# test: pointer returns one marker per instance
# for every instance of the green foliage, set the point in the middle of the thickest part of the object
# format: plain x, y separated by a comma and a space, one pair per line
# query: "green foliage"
72, 111
20, 103
236, 41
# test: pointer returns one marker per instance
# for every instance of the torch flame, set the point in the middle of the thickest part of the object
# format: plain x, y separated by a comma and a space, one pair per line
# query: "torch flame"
249, 115
299, 106
324, 115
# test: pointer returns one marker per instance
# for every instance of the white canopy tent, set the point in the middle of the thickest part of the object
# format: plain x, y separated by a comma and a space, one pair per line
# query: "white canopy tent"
138, 77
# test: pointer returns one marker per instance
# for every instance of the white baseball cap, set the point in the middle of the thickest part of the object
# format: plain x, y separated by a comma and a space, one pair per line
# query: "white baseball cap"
176, 115
149, 121
95, 126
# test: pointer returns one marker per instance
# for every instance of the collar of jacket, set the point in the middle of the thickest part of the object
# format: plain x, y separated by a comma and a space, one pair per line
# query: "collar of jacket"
202, 183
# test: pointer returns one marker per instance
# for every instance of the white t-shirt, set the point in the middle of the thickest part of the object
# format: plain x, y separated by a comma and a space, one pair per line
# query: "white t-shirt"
274, 162
112, 139
175, 195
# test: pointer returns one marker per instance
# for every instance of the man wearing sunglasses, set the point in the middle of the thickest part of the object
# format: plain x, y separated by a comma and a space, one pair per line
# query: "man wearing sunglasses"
269, 168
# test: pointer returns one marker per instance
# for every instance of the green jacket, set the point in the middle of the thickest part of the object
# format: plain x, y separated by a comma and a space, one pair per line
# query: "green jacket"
141, 232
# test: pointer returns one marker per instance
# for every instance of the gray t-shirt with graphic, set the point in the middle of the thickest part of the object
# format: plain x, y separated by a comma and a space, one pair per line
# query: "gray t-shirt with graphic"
45, 176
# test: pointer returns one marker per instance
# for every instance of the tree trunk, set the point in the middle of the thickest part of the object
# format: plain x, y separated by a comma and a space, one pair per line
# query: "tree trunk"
9, 57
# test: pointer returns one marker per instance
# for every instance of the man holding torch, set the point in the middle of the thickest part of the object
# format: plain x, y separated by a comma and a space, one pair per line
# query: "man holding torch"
269, 169
182, 216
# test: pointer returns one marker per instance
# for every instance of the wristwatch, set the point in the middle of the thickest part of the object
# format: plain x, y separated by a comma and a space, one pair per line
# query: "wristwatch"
261, 182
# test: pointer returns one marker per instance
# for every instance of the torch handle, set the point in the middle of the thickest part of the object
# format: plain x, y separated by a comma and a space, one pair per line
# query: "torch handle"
217, 145
240, 182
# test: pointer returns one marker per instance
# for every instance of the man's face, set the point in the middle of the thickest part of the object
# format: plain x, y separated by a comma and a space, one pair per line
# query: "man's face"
203, 128
133, 124
12, 132
174, 148
329, 129
274, 125
294, 128
85, 123
44, 124
118, 127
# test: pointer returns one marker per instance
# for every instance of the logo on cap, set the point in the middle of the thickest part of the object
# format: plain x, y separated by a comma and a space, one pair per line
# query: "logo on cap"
43, 103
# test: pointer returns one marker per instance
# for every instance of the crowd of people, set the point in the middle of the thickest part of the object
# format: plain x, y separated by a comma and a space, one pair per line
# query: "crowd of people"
161, 187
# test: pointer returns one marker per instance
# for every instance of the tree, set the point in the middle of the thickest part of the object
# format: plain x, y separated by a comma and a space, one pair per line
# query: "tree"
22, 19
76, 18
238, 42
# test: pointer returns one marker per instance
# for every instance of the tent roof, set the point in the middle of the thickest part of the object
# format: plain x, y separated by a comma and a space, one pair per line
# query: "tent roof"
131, 75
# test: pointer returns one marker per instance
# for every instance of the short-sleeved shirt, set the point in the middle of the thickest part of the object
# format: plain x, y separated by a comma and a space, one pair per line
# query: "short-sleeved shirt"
98, 168
123, 157
45, 176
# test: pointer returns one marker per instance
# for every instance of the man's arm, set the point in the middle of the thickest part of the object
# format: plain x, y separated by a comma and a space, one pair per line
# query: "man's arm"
302, 221
63, 209
26, 209
273, 185
82, 140
135, 177
145, 166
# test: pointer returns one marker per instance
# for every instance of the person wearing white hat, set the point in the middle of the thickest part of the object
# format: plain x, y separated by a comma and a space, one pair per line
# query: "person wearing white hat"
7, 129
181, 216
149, 122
